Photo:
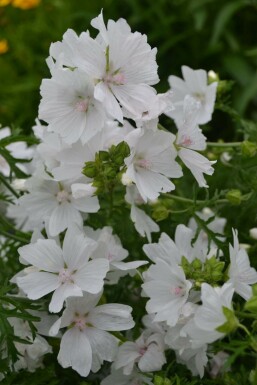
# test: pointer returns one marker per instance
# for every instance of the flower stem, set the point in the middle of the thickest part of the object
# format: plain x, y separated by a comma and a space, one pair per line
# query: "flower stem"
224, 145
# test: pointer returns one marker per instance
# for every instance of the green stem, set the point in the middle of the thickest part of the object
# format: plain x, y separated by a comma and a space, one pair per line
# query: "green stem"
119, 336
9, 187
191, 201
161, 127
224, 145
245, 315
14, 237
245, 329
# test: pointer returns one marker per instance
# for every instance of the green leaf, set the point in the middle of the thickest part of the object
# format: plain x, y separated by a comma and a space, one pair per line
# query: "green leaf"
232, 322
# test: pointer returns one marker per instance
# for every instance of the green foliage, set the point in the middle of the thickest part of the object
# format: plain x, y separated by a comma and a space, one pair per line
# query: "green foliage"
211, 271
231, 324
107, 167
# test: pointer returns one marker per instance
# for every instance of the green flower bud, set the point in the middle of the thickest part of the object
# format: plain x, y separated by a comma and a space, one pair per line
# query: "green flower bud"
197, 264
234, 197
160, 213
89, 170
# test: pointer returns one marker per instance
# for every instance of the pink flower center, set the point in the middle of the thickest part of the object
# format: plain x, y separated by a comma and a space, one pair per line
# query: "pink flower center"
178, 291
186, 141
63, 196
110, 257
142, 350
81, 105
143, 163
80, 321
116, 79
65, 276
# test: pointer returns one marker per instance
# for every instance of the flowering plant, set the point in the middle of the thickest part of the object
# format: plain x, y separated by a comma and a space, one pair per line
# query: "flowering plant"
127, 272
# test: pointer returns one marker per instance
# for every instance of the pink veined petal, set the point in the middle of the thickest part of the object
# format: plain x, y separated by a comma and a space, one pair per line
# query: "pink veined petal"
38, 284
90, 278
61, 293
75, 351
45, 254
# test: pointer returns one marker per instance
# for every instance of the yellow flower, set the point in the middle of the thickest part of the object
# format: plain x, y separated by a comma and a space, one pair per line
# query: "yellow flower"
3, 46
25, 4
3, 3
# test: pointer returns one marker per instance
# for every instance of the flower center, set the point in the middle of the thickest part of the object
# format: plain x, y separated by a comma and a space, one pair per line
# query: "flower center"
63, 196
116, 79
65, 276
143, 163
178, 291
80, 321
186, 141
199, 96
82, 105
142, 350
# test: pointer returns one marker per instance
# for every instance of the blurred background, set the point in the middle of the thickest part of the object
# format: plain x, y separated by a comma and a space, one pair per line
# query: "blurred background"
209, 34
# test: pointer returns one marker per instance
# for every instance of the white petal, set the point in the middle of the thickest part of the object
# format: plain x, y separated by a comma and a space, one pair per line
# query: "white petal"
61, 293
112, 317
91, 277
152, 360
38, 284
63, 216
75, 351
104, 347
44, 254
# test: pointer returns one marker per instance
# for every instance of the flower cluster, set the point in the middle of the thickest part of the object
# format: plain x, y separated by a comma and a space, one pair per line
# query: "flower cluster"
99, 136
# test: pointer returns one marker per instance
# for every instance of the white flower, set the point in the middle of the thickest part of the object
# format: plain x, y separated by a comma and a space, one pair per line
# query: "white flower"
66, 272
168, 290
190, 139
31, 354
147, 351
194, 359
120, 62
109, 247
194, 84
209, 316
217, 364
241, 274
172, 251
53, 203
214, 223
152, 162
69, 106
197, 164
143, 223
86, 344
71, 160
